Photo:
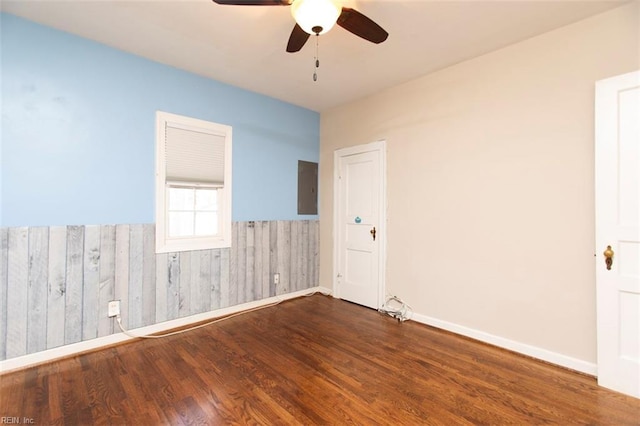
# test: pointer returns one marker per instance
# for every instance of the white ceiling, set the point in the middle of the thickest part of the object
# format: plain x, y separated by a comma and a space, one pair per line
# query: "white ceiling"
245, 46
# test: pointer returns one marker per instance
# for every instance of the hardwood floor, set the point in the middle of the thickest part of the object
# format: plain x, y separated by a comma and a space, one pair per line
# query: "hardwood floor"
312, 360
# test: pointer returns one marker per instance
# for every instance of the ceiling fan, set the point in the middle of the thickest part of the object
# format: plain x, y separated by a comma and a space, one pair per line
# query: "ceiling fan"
317, 17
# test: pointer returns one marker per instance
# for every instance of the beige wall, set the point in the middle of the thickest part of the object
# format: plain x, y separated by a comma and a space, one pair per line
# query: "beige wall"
491, 184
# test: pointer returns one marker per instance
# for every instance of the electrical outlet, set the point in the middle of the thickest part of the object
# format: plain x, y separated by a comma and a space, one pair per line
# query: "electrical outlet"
113, 309
276, 278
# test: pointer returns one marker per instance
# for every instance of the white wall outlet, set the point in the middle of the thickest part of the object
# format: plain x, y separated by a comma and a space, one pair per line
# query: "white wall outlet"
276, 278
113, 309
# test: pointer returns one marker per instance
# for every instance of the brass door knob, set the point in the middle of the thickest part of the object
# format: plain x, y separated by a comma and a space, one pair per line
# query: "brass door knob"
608, 257
373, 233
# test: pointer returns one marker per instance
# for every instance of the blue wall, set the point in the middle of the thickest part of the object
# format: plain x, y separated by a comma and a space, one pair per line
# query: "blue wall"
78, 133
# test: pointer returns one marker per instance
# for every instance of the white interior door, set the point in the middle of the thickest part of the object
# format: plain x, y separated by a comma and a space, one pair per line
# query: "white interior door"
359, 224
618, 226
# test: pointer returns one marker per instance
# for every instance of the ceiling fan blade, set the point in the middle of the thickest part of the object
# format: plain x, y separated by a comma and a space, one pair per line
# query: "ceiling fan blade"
254, 2
297, 39
355, 22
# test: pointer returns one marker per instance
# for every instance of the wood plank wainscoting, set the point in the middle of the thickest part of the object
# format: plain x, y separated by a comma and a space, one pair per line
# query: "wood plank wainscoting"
314, 361
55, 282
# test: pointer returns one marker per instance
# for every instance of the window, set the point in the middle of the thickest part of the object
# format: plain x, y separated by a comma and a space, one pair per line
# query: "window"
193, 184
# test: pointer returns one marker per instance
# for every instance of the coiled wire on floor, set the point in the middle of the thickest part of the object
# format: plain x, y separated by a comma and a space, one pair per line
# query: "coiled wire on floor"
396, 308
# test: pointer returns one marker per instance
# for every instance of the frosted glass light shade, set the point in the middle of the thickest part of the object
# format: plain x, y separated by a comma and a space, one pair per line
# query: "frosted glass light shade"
316, 13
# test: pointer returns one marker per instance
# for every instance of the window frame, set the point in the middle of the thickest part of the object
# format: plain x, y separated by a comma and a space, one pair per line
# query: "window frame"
164, 243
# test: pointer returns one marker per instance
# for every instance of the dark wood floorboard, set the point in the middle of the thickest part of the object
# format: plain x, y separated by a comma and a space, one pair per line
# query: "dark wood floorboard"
315, 361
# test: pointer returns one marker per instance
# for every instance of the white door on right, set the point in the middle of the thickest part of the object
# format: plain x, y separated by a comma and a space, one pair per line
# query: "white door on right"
618, 232
358, 219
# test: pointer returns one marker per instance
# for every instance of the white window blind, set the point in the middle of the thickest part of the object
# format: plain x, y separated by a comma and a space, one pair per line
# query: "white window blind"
193, 183
194, 155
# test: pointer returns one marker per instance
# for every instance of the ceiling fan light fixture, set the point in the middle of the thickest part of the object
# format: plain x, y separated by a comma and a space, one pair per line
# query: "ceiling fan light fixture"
316, 16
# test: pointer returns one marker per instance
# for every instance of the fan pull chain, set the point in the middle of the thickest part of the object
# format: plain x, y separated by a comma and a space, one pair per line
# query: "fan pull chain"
315, 72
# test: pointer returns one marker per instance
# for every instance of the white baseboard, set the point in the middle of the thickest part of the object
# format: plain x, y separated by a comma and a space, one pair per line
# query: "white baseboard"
101, 342
522, 348
323, 290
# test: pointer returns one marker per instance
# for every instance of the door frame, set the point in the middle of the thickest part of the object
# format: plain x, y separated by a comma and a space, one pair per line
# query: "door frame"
381, 147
